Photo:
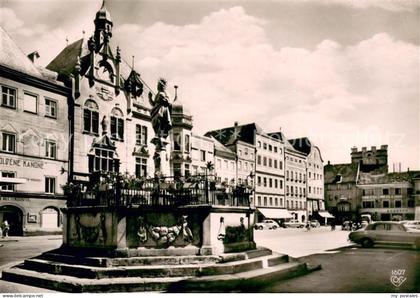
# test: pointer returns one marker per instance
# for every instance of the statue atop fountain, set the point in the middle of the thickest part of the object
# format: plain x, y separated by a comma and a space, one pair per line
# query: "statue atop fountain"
161, 122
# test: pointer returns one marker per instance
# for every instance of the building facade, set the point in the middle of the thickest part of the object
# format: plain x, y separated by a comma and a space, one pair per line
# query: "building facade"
296, 183
260, 162
314, 179
388, 196
34, 136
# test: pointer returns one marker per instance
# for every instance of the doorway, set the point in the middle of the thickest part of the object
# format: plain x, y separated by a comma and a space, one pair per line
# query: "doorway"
14, 217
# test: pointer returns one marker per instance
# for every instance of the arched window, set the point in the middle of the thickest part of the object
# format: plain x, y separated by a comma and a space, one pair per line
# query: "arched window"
91, 117
50, 218
117, 124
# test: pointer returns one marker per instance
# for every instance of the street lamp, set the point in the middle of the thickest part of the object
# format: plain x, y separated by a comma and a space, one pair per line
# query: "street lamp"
251, 175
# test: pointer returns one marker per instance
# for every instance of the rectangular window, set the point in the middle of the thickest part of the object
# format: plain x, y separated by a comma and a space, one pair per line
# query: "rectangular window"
398, 191
265, 181
385, 204
265, 201
259, 159
90, 121
270, 162
264, 161
271, 201
203, 155
187, 143
10, 187
385, 191
275, 163
141, 167
50, 108
103, 160
225, 163
276, 183
177, 141
276, 200
219, 163
281, 184
8, 97
270, 182
187, 172
50, 149
270, 148
281, 165
117, 128
259, 201
259, 180
398, 204
50, 185
9, 142
275, 149
30, 103
141, 135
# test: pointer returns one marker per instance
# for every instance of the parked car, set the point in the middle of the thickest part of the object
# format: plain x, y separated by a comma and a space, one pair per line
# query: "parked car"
385, 232
315, 224
411, 224
294, 223
266, 224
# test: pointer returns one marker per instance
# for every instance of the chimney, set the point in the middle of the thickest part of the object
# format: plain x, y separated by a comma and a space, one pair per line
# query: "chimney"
328, 163
408, 170
33, 56
364, 149
384, 147
354, 149
235, 123
373, 148
393, 167
399, 165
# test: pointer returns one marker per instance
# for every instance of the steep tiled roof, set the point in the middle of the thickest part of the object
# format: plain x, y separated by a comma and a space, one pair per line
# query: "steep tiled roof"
383, 178
65, 61
230, 135
340, 173
13, 57
301, 144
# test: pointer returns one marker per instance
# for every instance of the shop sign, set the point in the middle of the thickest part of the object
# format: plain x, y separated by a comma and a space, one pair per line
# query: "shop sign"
32, 218
11, 199
20, 162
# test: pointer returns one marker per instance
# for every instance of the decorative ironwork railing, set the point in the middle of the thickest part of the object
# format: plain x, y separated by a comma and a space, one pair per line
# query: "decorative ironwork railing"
162, 192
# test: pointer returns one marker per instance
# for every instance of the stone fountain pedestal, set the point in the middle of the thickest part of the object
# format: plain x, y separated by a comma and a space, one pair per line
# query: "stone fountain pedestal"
199, 248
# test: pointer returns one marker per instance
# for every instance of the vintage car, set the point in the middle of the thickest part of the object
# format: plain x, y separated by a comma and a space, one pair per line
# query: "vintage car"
293, 223
411, 224
385, 232
266, 224
314, 224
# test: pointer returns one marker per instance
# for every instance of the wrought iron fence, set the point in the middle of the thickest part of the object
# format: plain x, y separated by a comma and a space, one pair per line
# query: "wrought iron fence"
158, 192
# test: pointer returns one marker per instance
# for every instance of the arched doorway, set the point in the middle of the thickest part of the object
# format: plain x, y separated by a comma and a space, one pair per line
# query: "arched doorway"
14, 217
50, 218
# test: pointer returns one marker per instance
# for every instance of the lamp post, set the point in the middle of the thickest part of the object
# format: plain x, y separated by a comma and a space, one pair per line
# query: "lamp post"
251, 175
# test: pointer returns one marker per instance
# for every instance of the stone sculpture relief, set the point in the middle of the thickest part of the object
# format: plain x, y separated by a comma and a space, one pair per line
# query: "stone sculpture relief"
163, 235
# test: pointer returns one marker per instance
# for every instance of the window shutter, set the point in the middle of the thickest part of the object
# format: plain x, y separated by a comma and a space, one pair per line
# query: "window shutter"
113, 127
86, 120
95, 122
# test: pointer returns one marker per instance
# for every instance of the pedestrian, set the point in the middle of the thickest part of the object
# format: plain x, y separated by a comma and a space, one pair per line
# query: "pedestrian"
5, 229
308, 226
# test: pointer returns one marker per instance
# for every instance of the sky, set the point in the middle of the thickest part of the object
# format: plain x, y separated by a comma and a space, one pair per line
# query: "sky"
343, 73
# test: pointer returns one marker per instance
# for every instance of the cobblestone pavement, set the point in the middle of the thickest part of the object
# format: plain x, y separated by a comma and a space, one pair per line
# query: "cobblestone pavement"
300, 242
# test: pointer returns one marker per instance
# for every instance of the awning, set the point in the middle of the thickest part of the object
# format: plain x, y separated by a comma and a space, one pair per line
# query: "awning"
11, 181
325, 214
275, 213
